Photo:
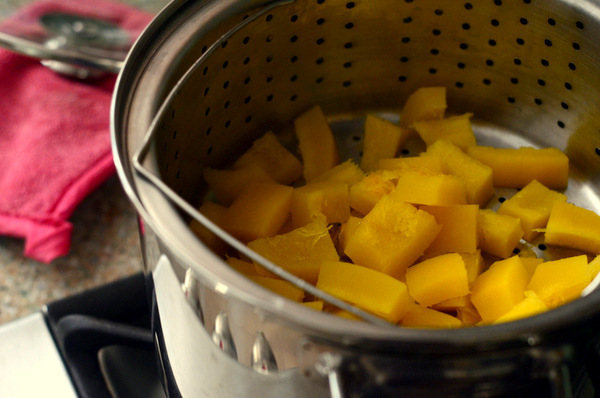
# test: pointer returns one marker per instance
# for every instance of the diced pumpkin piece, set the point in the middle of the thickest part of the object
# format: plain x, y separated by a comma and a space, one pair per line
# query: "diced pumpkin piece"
214, 212
531, 263
346, 230
459, 231
364, 194
455, 129
347, 172
271, 156
531, 305
241, 266
345, 314
477, 177
437, 279
316, 143
594, 267
515, 168
259, 211
559, 281
391, 237
452, 304
500, 288
429, 164
573, 226
532, 206
499, 234
474, 264
328, 198
226, 185
426, 103
430, 189
382, 139
279, 286
370, 290
422, 317
316, 305
300, 252
469, 316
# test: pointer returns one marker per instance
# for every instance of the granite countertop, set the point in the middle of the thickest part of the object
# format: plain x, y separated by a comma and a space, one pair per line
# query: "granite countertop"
105, 247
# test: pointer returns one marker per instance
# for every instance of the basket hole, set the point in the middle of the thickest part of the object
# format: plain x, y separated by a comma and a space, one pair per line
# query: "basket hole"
560, 124
438, 11
459, 84
572, 66
514, 80
436, 32
468, 6
541, 82
435, 51
495, 22
568, 86
348, 45
544, 62
576, 46
501, 199
523, 21
564, 105
320, 21
537, 101
579, 24
402, 78
511, 100
350, 4
597, 150
520, 41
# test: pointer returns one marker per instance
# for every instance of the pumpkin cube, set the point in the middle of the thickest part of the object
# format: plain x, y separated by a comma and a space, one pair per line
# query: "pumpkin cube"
499, 234
226, 185
515, 168
316, 143
270, 155
328, 198
455, 129
347, 229
241, 266
531, 305
429, 164
474, 264
259, 211
500, 288
531, 263
429, 189
532, 206
347, 172
594, 267
422, 317
214, 212
280, 287
452, 304
370, 290
382, 139
364, 194
573, 226
300, 252
316, 305
426, 103
437, 279
469, 316
559, 281
391, 237
477, 177
459, 231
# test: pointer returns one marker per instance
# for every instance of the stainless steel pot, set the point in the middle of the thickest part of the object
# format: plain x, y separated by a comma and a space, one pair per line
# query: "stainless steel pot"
208, 77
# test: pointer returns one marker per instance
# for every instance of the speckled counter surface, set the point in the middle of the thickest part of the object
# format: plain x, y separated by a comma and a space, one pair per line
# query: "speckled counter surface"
105, 247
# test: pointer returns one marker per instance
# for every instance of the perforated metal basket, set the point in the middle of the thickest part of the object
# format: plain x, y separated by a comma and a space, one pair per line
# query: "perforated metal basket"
209, 77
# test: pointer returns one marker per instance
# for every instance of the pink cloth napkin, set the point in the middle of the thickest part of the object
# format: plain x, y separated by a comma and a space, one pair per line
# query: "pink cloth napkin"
54, 136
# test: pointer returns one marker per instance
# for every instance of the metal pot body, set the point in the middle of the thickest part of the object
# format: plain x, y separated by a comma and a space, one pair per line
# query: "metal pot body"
208, 77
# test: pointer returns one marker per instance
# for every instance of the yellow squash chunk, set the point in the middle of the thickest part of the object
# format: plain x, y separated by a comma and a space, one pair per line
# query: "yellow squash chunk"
241, 266
515, 168
382, 139
429, 164
560, 281
426, 103
532, 206
315, 305
469, 316
299, 252
500, 288
329, 198
455, 129
573, 226
437, 279
422, 317
499, 234
316, 143
347, 172
430, 189
452, 304
391, 237
594, 267
370, 290
459, 231
279, 286
214, 212
364, 194
531, 263
259, 211
226, 185
271, 156
531, 305
346, 230
474, 264
477, 177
